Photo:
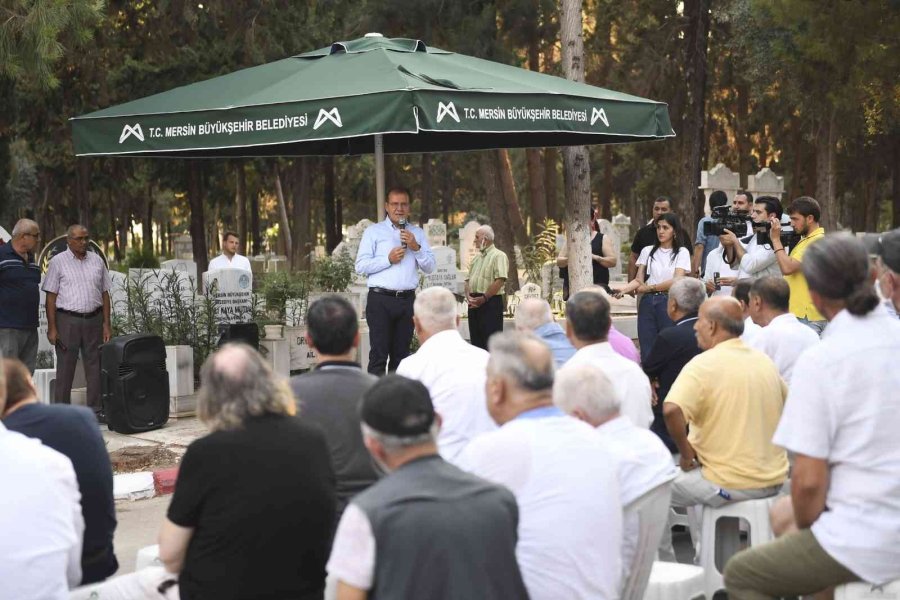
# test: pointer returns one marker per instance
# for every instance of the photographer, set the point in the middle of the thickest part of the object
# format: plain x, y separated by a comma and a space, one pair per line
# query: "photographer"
755, 256
805, 213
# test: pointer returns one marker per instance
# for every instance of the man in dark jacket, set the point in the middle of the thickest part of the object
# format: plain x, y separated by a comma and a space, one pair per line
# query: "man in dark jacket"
674, 347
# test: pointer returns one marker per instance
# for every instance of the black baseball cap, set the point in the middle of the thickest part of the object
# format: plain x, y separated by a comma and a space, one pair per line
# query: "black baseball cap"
889, 249
398, 406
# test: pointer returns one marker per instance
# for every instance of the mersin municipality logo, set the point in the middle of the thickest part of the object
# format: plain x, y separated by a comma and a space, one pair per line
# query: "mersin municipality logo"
447, 110
128, 130
599, 114
328, 115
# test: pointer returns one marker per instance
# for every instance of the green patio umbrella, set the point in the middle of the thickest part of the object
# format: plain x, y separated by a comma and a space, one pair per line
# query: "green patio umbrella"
370, 95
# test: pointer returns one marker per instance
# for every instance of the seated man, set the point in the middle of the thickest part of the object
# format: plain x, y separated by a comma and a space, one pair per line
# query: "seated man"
329, 395
71, 431
732, 397
585, 393
41, 525
563, 475
534, 315
427, 529
587, 325
741, 292
674, 348
452, 369
782, 338
841, 422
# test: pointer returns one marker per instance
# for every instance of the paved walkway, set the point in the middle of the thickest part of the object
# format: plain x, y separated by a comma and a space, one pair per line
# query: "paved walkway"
176, 435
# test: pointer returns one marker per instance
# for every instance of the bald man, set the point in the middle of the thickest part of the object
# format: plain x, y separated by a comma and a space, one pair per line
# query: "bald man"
736, 409
20, 295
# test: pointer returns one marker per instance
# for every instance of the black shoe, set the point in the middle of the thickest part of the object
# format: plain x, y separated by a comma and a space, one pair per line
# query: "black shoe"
101, 417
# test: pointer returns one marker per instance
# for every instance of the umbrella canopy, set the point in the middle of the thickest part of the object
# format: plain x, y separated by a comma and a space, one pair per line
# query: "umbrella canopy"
352, 97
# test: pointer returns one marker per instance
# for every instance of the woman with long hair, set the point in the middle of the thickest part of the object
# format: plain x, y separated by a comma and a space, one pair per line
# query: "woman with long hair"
658, 267
603, 257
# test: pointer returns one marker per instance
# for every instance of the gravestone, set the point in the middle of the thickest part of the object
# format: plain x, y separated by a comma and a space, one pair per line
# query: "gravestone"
277, 264
721, 178
622, 226
527, 291
350, 243
467, 250
258, 265
301, 355
765, 183
231, 290
436, 232
183, 248
187, 267
445, 273
118, 298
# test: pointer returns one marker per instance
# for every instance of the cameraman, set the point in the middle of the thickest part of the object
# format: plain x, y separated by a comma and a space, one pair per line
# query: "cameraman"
755, 257
805, 213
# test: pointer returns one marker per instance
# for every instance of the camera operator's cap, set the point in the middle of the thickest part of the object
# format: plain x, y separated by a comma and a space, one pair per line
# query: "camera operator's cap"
398, 406
889, 249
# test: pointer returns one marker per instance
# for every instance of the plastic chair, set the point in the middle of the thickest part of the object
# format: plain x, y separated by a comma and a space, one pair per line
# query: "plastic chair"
755, 512
148, 556
867, 591
651, 512
675, 581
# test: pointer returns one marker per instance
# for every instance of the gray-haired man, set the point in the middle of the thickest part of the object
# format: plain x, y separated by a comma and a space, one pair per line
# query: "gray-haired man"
440, 533
20, 280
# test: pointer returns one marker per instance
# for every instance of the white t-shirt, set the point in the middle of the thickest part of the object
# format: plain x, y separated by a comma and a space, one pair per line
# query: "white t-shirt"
844, 407
783, 340
565, 481
628, 379
751, 330
41, 525
661, 267
237, 262
715, 263
352, 557
454, 372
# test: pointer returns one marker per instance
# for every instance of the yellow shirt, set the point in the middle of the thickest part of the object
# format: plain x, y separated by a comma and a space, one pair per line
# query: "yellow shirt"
732, 397
801, 302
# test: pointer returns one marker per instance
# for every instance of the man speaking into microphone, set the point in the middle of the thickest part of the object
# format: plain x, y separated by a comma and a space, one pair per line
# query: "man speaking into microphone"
391, 254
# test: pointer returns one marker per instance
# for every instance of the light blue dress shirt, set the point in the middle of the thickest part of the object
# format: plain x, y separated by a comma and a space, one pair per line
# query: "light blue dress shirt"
372, 259
560, 346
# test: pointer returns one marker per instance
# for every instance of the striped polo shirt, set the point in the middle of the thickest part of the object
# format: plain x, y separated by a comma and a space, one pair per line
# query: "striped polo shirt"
79, 283
20, 295
488, 265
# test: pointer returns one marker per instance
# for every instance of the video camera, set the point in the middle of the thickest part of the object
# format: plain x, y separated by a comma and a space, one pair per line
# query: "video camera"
789, 237
723, 218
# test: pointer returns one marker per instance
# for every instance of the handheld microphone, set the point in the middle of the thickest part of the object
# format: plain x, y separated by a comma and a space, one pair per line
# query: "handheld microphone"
402, 225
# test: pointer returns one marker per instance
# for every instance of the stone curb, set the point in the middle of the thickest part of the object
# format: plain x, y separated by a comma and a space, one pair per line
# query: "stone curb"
146, 484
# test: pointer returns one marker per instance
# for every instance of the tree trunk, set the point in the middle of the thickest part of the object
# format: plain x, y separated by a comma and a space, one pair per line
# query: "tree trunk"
83, 190
536, 196
503, 235
511, 198
696, 42
576, 163
427, 188
551, 182
240, 205
742, 141
198, 218
300, 194
124, 216
283, 216
255, 233
826, 171
147, 225
332, 233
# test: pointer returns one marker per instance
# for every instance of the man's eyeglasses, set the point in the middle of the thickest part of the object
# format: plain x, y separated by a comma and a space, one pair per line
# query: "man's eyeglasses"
83, 238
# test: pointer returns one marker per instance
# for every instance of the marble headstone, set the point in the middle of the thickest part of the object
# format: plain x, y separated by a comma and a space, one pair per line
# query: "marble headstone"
231, 290
436, 232
467, 249
445, 273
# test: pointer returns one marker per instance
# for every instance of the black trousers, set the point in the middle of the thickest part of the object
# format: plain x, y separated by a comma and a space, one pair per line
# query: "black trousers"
485, 321
390, 330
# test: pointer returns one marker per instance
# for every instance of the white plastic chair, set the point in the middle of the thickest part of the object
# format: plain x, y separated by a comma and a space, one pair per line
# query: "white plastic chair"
652, 511
675, 581
755, 512
148, 556
867, 591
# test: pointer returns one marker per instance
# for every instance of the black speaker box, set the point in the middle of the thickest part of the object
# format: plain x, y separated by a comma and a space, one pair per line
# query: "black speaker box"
135, 383
245, 333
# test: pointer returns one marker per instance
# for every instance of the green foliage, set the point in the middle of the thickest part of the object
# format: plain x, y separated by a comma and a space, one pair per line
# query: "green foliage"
140, 258
276, 289
333, 273
540, 250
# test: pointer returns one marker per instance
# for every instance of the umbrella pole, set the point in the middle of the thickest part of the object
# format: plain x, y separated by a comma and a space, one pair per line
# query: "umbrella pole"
379, 176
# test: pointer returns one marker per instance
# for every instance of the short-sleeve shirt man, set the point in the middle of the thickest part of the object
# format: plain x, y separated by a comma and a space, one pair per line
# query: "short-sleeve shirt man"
783, 340
235, 262
844, 408
801, 304
261, 502
78, 283
20, 293
732, 413
488, 265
